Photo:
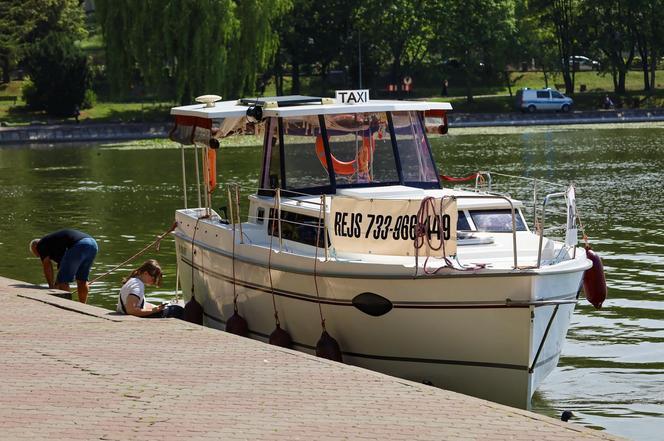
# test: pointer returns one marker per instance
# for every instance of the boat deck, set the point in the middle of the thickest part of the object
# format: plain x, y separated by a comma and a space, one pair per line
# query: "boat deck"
73, 371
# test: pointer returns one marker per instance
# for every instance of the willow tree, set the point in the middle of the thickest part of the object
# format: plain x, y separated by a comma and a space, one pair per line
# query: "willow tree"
186, 48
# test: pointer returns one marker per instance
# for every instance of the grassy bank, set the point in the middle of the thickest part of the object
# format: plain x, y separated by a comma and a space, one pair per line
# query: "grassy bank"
487, 99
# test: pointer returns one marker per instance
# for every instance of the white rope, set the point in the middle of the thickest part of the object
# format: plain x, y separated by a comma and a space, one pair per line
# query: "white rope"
198, 176
184, 177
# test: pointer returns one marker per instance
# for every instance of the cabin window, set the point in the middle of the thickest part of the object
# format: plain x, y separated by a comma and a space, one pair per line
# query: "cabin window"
297, 227
462, 222
496, 220
543, 94
416, 162
361, 148
302, 166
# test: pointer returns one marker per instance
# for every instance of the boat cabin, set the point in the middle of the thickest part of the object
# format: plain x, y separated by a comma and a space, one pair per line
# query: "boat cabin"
316, 146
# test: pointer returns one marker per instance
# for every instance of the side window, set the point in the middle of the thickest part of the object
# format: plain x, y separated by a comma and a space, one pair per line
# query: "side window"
556, 95
302, 165
296, 227
462, 222
543, 94
496, 221
416, 163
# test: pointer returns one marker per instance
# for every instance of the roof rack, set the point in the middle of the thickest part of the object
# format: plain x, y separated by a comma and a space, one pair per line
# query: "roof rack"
282, 101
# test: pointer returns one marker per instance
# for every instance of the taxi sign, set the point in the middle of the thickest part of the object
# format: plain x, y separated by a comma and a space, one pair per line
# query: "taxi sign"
360, 96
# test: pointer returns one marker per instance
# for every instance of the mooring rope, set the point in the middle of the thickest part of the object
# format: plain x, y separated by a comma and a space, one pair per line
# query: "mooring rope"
428, 207
156, 241
233, 256
269, 262
193, 239
320, 308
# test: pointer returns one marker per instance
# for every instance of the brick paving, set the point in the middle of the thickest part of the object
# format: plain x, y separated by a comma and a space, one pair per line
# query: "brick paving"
72, 371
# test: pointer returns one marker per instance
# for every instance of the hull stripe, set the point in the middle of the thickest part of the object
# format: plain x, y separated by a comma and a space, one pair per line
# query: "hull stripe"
517, 367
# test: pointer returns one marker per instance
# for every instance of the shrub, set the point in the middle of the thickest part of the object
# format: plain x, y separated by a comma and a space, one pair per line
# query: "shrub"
90, 99
60, 76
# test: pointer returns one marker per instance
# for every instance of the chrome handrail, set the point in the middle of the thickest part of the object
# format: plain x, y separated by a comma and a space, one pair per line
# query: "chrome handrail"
509, 201
541, 230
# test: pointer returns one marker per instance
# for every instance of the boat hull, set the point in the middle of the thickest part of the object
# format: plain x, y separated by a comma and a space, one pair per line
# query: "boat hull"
489, 335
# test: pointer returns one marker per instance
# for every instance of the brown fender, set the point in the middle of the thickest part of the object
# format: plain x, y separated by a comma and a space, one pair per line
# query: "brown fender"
594, 282
193, 311
237, 325
327, 347
280, 337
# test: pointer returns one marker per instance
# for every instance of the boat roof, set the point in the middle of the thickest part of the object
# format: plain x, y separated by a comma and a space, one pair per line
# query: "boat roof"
301, 106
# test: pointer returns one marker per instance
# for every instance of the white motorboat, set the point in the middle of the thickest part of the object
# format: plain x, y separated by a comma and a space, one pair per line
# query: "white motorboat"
352, 232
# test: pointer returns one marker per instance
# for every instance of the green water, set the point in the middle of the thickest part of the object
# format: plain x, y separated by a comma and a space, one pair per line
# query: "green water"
612, 371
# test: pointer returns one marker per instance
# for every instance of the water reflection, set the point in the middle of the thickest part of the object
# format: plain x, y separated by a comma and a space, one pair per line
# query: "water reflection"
611, 374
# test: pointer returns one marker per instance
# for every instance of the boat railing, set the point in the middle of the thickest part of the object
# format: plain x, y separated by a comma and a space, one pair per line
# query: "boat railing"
485, 182
233, 191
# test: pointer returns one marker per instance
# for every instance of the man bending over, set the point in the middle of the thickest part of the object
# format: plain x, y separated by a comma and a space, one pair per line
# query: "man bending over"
74, 252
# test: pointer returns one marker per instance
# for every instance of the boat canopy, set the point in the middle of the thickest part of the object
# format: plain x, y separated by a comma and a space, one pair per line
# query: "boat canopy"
273, 106
315, 145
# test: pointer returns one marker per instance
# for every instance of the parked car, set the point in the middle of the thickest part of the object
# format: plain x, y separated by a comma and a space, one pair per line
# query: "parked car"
532, 100
579, 62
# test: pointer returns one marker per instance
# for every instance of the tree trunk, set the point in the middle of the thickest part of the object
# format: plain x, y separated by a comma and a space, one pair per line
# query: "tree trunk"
509, 83
653, 69
569, 82
646, 76
469, 89
614, 77
643, 51
278, 77
295, 78
546, 78
621, 81
4, 65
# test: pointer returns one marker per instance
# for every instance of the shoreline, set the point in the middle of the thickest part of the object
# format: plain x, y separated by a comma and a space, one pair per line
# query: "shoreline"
90, 131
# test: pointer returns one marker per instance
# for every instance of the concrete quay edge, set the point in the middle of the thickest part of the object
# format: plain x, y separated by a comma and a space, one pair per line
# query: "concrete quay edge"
74, 371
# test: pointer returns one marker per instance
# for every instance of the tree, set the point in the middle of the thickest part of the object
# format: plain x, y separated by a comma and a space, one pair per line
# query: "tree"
536, 42
59, 75
608, 25
646, 26
11, 36
26, 22
478, 33
316, 36
399, 30
561, 16
219, 47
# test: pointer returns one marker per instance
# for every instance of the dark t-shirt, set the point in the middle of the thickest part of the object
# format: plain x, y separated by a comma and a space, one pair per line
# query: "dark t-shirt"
55, 244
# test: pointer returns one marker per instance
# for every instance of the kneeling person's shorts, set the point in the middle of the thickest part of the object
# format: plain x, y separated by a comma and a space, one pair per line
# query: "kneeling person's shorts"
77, 261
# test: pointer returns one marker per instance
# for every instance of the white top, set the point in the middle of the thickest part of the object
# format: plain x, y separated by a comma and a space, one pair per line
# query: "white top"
135, 287
230, 109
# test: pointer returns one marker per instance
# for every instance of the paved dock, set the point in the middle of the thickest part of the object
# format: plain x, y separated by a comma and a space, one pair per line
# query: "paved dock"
72, 371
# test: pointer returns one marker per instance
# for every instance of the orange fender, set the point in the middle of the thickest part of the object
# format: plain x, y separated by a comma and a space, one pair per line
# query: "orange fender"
212, 168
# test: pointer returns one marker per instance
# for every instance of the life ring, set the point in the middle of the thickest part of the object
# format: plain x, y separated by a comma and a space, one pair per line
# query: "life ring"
346, 168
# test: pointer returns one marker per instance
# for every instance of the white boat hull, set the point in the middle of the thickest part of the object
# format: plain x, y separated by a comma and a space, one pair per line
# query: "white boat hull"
456, 331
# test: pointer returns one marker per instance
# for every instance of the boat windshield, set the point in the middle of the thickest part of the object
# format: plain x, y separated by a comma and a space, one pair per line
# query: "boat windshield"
361, 148
371, 148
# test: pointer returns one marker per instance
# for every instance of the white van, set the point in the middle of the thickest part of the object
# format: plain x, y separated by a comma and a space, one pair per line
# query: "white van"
532, 100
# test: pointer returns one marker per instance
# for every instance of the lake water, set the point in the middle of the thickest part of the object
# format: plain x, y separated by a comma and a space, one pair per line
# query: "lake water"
611, 375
